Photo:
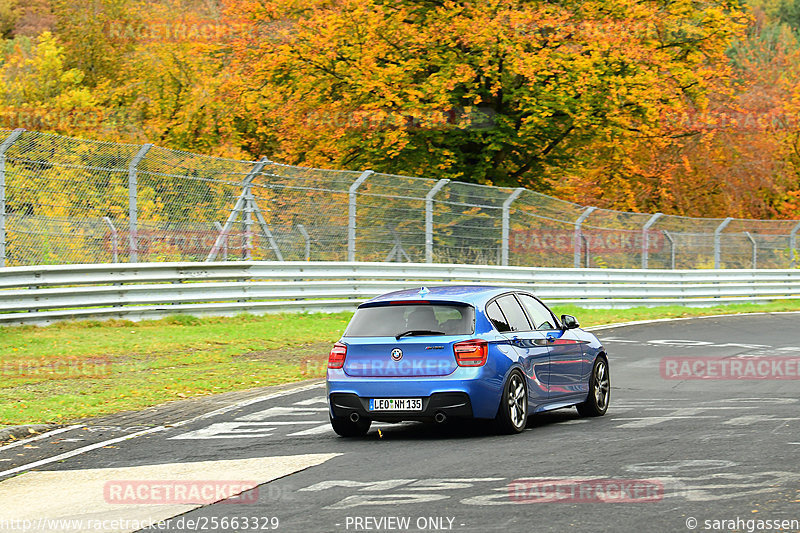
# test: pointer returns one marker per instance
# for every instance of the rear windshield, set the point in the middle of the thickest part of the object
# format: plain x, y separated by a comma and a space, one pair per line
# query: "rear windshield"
396, 319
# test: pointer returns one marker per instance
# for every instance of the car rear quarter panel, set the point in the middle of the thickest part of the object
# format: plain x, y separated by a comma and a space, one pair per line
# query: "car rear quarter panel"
591, 349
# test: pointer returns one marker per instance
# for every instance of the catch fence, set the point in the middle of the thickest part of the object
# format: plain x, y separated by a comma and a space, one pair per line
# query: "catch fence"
72, 201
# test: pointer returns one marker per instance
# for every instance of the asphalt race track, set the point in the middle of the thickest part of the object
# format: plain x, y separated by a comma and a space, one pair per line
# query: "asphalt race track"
671, 454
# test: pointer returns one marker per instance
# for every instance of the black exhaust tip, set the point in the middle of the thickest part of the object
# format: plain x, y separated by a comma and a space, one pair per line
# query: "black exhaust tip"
354, 417
440, 417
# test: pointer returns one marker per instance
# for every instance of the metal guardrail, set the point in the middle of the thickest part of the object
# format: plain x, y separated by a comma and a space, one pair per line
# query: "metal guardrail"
45, 294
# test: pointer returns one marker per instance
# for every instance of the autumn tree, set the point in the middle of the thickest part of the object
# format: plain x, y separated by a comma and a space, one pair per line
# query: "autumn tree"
733, 156
504, 92
675, 106
86, 28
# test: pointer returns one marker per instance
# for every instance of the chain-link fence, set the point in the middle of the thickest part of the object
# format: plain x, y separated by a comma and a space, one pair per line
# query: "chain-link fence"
65, 200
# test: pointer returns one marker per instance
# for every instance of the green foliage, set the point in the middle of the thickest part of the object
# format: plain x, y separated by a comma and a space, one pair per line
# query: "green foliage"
181, 320
10, 12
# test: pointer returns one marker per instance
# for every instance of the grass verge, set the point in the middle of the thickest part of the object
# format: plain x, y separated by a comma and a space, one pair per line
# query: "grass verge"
81, 369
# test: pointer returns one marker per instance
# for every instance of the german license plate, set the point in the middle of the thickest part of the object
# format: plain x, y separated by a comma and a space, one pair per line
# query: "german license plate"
395, 404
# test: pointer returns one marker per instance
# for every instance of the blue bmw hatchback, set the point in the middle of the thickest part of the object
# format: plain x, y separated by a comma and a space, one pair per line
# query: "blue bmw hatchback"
462, 352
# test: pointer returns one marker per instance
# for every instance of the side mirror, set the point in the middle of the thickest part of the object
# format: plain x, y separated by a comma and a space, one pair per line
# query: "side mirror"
569, 322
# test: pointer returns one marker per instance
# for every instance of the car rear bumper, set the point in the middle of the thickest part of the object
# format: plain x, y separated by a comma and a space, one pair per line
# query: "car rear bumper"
450, 404
479, 385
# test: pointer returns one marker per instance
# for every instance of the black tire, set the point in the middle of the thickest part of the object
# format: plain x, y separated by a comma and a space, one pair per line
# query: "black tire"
346, 428
512, 413
597, 401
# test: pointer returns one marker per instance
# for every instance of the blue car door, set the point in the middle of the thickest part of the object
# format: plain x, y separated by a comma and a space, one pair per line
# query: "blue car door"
565, 349
509, 318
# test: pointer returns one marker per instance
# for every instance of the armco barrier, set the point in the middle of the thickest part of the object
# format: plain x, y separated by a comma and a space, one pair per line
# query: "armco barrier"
44, 294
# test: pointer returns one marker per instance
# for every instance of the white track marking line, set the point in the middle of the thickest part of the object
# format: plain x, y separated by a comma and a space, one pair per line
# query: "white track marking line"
246, 403
272, 412
312, 401
658, 320
236, 429
319, 430
79, 451
752, 419
276, 423
95, 446
38, 437
643, 422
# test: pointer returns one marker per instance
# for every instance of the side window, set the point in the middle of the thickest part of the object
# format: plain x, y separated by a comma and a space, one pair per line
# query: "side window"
542, 318
514, 313
495, 315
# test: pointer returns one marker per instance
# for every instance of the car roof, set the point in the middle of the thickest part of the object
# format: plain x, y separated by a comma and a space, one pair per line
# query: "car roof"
469, 294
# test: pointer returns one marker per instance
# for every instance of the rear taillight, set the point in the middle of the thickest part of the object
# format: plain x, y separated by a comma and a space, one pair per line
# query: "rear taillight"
471, 353
337, 355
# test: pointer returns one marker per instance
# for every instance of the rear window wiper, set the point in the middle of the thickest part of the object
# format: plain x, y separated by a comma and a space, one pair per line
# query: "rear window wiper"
413, 332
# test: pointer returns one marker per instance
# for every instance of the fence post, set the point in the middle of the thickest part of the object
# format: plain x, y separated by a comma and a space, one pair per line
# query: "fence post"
507, 222
249, 205
585, 251
133, 209
351, 215
245, 203
718, 241
114, 238
11, 139
671, 248
755, 249
307, 238
219, 228
429, 218
579, 235
248, 222
793, 244
646, 237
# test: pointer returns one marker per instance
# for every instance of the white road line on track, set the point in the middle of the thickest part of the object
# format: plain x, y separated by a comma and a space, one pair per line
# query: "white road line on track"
95, 446
319, 430
752, 419
236, 429
312, 401
37, 437
249, 402
79, 451
643, 422
277, 423
659, 320
282, 411
569, 422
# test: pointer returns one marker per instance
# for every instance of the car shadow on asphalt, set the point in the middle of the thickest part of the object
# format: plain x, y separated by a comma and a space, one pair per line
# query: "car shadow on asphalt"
463, 429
